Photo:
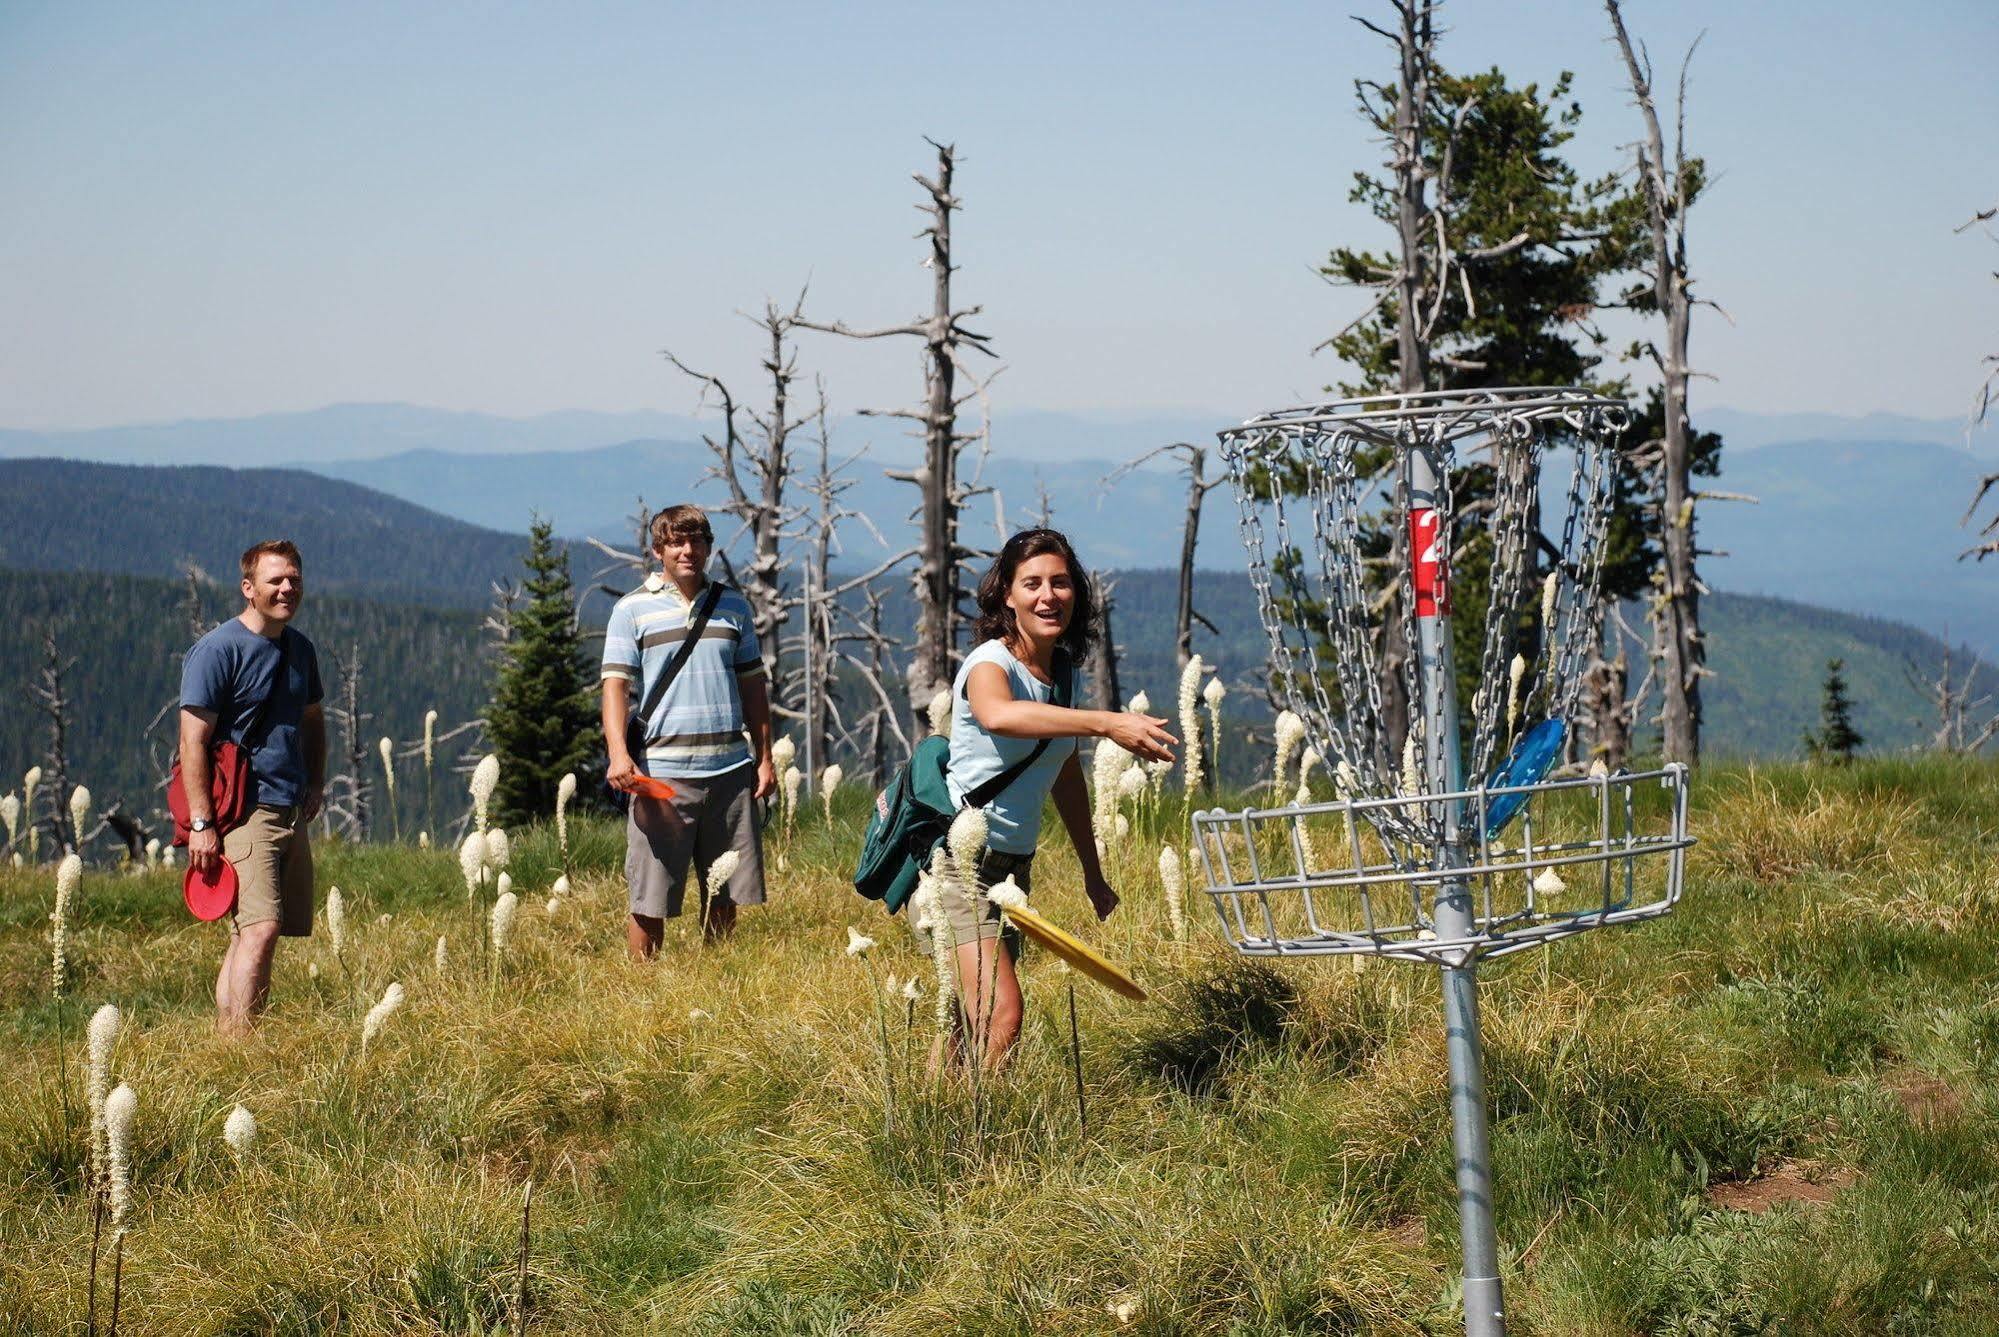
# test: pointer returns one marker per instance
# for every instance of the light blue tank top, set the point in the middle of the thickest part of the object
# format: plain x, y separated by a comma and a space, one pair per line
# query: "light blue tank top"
1013, 820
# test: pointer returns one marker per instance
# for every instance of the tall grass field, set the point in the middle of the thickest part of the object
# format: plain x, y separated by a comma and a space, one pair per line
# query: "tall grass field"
1774, 1111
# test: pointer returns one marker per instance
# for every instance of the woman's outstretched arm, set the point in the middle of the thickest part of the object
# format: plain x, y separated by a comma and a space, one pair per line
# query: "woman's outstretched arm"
998, 711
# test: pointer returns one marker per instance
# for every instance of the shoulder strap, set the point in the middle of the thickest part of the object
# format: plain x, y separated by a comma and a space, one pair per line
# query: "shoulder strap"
679, 660
993, 788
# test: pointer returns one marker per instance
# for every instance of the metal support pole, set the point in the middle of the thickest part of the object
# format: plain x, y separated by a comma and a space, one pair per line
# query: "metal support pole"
806, 614
1436, 683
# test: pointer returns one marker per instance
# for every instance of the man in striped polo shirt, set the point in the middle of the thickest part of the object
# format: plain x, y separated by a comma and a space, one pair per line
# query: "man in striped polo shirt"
709, 737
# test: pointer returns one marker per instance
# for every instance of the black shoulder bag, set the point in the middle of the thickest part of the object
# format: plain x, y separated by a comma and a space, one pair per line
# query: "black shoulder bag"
635, 722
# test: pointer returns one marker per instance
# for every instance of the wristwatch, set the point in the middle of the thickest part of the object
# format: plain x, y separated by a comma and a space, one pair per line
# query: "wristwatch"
200, 824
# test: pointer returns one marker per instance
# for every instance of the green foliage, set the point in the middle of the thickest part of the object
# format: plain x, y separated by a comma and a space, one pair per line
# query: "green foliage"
1836, 740
542, 720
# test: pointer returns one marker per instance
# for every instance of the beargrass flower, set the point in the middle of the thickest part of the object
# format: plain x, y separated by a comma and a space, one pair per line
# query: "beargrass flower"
1108, 763
792, 779
1514, 673
441, 953
1345, 782
1306, 761
699, 1014
10, 813
1190, 721
1007, 895
167, 859
1122, 825
1548, 882
829, 780
560, 886
940, 713
929, 903
152, 852
69, 875
1131, 783
29, 783
239, 1133
1212, 694
1174, 881
1598, 769
967, 842
499, 849
858, 942
782, 753
485, 779
1549, 588
105, 1023
472, 861
911, 990
720, 871
79, 812
551, 905
565, 790
504, 906
1140, 704
1156, 772
336, 920
1412, 762
1289, 732
429, 737
121, 1107
378, 1015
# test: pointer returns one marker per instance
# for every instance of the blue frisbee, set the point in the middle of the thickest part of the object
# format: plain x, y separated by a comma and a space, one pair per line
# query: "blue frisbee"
1532, 758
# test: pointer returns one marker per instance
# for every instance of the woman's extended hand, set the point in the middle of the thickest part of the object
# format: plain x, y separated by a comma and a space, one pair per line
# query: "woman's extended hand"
1141, 735
1102, 899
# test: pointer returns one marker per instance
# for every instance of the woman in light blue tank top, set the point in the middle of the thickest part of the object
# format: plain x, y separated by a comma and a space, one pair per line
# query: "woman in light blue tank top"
1036, 618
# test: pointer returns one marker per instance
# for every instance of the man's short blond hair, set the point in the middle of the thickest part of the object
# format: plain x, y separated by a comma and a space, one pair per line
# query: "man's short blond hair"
684, 521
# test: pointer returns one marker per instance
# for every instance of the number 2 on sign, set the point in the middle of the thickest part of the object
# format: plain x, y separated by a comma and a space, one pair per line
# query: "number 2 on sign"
1426, 541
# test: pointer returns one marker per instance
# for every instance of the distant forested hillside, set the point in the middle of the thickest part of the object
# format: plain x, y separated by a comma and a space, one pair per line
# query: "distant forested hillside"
65, 515
126, 634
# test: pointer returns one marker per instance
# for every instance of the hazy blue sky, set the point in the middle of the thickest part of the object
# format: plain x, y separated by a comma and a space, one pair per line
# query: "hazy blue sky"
222, 209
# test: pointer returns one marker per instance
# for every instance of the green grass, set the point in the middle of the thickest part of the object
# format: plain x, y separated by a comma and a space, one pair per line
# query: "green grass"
715, 1148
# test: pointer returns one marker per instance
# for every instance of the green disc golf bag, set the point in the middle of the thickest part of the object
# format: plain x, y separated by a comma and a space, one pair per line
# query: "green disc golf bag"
915, 811
910, 817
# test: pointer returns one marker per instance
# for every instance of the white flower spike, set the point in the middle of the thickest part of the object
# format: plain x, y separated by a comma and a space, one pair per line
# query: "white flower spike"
239, 1133
485, 779
858, 942
379, 1014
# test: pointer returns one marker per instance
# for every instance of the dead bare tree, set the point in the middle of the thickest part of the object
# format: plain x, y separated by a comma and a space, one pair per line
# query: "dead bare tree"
347, 793
755, 467
49, 691
1185, 615
1678, 645
1981, 404
1107, 693
1610, 707
939, 584
1956, 706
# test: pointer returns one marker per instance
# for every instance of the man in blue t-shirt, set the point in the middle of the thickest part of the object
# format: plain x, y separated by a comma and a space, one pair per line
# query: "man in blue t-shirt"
255, 682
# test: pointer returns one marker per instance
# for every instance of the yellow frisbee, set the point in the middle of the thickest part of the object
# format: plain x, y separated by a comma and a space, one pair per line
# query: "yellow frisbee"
1076, 953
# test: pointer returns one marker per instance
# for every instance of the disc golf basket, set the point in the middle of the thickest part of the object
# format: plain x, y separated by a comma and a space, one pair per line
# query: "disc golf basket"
1447, 844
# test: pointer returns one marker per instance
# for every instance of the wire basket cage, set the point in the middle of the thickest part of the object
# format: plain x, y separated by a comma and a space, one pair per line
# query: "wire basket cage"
1317, 879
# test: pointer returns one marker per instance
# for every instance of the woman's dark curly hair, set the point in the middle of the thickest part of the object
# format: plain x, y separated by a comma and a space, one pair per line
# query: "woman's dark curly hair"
996, 620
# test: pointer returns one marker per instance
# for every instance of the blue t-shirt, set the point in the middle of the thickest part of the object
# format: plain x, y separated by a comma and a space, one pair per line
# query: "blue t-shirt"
230, 671
1013, 819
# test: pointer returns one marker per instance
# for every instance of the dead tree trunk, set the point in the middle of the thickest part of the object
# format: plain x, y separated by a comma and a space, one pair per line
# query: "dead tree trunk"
348, 793
1106, 692
758, 500
938, 580
1678, 647
1199, 485
50, 694
1955, 705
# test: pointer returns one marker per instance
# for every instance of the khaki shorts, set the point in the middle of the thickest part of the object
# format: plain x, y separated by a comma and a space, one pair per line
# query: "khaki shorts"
273, 860
707, 815
966, 923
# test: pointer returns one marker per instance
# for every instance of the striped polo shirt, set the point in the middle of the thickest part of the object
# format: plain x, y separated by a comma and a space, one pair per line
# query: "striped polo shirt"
698, 728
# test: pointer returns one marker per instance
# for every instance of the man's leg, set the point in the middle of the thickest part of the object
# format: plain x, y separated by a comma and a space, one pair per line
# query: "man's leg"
642, 936
728, 821
247, 971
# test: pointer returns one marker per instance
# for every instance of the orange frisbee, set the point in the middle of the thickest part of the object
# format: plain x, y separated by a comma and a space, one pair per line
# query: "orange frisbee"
649, 787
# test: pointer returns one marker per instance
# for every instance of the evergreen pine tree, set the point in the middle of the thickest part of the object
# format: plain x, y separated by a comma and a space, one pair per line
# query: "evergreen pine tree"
542, 721
1837, 740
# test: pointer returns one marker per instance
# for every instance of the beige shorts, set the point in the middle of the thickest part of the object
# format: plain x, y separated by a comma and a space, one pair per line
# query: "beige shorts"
706, 815
273, 860
967, 924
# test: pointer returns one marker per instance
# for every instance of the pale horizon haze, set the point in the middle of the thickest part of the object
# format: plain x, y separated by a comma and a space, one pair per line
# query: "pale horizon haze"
220, 210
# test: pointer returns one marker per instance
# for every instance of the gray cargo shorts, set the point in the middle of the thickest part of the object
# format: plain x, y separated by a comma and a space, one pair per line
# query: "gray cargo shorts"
707, 815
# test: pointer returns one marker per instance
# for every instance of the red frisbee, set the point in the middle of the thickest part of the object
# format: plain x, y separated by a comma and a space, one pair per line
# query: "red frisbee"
210, 895
648, 786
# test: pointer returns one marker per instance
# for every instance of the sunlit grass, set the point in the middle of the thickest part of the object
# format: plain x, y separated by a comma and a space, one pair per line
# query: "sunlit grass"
720, 1142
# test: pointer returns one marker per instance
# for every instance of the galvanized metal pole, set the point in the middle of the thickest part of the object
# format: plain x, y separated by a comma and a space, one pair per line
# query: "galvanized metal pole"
1436, 684
806, 614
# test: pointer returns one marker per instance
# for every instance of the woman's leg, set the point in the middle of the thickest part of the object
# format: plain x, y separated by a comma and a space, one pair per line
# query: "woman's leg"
988, 999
